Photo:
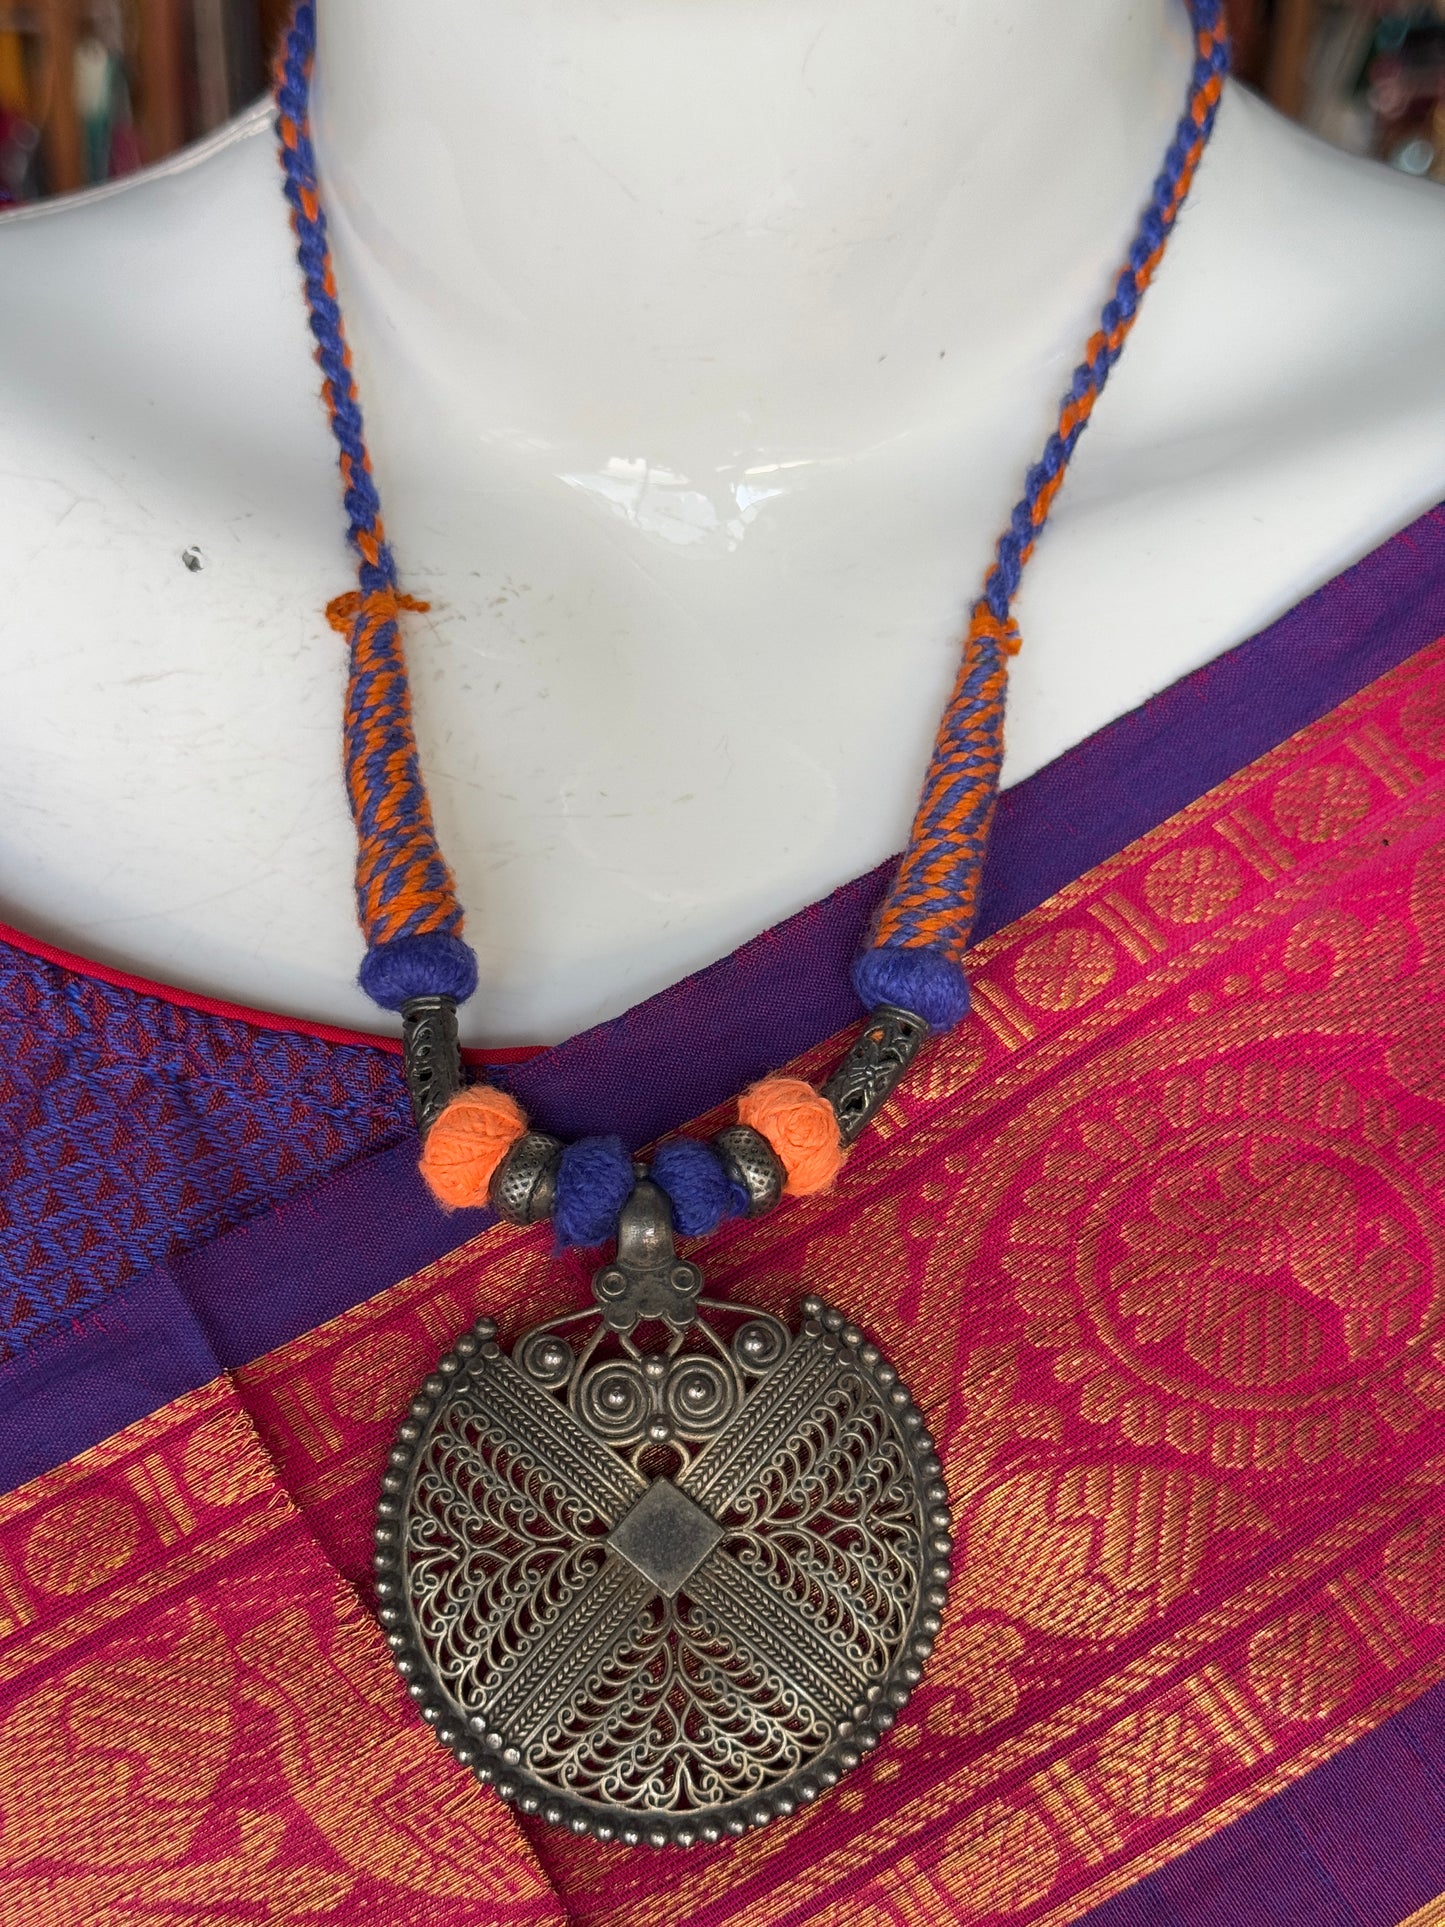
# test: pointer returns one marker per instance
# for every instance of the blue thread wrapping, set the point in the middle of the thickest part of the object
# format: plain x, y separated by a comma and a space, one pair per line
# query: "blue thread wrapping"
1090, 376
701, 1193
594, 1181
434, 965
397, 844
398, 848
293, 100
970, 750
924, 981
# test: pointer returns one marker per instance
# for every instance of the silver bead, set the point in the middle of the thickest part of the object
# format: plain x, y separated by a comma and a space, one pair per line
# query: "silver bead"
751, 1161
873, 1068
431, 1058
524, 1186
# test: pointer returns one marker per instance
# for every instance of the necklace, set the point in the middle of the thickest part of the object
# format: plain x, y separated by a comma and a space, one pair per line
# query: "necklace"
665, 1570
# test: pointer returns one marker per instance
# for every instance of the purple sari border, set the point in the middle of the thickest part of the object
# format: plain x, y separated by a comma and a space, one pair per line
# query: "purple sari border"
694, 1045
1358, 1842
78, 1384
1138, 771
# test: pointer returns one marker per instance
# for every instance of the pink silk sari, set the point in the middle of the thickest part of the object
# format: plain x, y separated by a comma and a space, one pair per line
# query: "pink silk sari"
1159, 1243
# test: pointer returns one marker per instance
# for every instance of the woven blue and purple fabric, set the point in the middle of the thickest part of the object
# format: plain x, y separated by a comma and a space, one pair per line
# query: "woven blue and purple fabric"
187, 1188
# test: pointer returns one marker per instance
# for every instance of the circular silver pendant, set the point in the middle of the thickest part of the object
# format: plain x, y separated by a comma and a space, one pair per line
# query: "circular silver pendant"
666, 1570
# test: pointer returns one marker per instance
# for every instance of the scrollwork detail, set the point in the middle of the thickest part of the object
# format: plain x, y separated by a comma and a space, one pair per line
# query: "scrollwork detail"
682, 1677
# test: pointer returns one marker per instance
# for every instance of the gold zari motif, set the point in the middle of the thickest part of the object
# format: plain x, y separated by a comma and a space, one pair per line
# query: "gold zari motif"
1160, 1238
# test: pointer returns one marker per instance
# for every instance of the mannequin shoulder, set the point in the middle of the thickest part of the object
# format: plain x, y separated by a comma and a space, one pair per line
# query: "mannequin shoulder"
1281, 406
190, 254
1305, 288
1357, 233
159, 382
1279, 411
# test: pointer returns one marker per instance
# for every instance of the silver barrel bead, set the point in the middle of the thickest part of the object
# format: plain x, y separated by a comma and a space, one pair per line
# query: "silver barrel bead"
524, 1186
749, 1160
873, 1068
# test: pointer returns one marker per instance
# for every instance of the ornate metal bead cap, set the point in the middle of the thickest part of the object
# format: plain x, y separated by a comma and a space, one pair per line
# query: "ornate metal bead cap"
874, 1067
431, 1056
665, 1570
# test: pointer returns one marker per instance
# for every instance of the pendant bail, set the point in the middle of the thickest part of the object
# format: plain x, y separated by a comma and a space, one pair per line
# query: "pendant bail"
647, 1279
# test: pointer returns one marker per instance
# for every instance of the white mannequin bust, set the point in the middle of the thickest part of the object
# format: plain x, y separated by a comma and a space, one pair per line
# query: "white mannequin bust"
703, 351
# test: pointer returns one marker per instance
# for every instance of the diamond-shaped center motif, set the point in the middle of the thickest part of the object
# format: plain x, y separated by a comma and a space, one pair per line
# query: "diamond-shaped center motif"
665, 1536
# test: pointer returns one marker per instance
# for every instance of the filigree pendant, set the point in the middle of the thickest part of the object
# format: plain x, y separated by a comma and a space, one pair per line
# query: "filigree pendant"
665, 1571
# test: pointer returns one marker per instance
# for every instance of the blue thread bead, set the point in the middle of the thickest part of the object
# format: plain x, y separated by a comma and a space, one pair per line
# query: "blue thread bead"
434, 965
594, 1181
924, 981
699, 1190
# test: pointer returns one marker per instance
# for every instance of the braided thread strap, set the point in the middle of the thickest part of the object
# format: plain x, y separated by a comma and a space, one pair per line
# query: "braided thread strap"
923, 928
477, 1149
405, 896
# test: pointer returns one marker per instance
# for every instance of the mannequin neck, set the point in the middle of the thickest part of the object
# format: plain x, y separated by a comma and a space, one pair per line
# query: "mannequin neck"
690, 230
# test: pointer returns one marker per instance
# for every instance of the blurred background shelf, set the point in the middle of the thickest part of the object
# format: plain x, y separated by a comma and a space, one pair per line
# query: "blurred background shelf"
1368, 75
92, 89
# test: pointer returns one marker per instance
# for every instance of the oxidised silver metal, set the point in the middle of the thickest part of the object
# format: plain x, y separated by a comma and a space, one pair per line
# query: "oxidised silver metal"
646, 1279
751, 1161
872, 1070
431, 1056
665, 1570
524, 1185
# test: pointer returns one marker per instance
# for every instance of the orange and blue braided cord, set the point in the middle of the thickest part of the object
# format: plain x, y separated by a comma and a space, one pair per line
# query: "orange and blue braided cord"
921, 932
405, 895
406, 898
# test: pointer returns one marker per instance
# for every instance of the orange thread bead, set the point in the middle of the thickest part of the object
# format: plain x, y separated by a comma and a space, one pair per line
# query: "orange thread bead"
799, 1124
467, 1143
382, 605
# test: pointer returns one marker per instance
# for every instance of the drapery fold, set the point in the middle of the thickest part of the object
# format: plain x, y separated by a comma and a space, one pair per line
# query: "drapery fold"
184, 1187
200, 1721
1159, 1241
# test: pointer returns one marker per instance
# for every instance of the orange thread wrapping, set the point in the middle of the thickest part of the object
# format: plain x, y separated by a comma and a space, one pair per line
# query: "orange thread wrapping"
426, 888
466, 1144
1005, 633
799, 1124
382, 605
939, 915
